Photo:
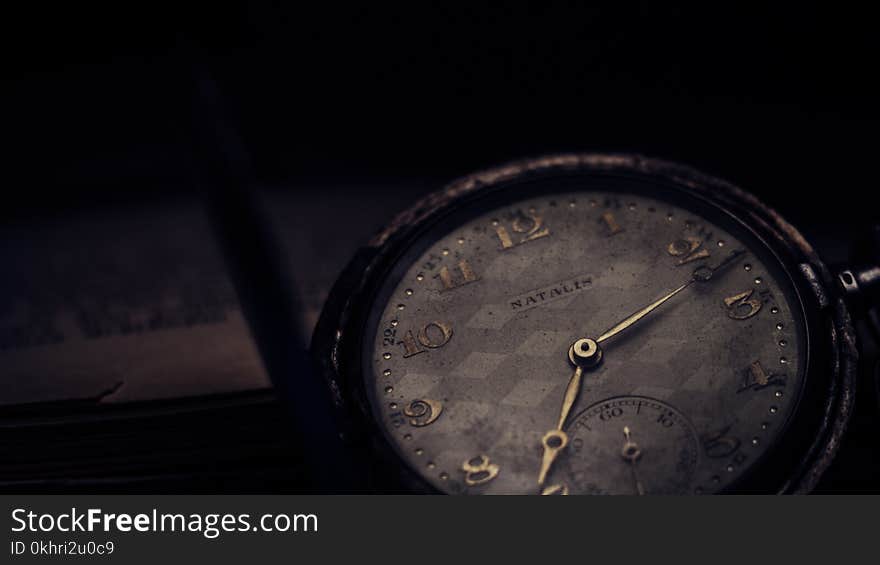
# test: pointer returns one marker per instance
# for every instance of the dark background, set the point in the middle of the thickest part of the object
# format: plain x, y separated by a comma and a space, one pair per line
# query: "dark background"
780, 99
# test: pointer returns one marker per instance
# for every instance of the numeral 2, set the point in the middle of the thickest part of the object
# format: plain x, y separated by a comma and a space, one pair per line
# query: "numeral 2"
687, 249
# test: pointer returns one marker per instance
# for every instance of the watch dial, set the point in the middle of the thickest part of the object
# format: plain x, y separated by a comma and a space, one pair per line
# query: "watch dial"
585, 342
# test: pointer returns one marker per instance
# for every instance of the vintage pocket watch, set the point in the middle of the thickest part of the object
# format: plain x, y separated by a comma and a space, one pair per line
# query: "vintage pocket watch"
582, 324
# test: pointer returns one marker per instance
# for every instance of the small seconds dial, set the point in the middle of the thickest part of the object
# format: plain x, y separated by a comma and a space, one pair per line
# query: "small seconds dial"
632, 445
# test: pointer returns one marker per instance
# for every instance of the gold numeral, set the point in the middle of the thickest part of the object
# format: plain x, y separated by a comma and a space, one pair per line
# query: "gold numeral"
555, 490
479, 470
526, 227
719, 444
432, 336
742, 306
465, 275
611, 223
423, 411
687, 249
756, 378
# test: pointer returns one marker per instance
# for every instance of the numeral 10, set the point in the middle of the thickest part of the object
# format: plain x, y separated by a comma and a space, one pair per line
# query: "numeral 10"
430, 336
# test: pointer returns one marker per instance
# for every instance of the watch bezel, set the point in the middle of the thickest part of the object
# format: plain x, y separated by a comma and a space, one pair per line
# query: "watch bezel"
797, 467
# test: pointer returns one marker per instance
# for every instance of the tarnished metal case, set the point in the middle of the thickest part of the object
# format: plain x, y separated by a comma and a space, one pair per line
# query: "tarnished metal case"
813, 434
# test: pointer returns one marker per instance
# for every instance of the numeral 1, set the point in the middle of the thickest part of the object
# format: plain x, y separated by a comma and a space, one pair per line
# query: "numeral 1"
611, 223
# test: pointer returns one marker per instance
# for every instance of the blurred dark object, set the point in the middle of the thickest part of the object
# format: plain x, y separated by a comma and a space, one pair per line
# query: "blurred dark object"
221, 443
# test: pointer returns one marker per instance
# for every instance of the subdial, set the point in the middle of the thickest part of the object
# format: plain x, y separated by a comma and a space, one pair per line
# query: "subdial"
630, 445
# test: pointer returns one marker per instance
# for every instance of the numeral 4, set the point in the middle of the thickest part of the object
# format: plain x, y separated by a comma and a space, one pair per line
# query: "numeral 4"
756, 378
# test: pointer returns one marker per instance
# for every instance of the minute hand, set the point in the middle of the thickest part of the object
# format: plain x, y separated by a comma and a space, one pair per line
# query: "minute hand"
701, 274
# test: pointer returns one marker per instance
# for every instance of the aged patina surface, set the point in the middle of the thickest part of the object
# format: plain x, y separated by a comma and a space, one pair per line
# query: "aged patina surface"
597, 324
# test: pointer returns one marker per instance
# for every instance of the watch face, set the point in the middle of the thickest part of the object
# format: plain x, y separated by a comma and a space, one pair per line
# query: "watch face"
591, 335
581, 324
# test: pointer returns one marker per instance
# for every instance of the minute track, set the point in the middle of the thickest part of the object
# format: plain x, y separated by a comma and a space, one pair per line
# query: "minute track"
728, 356
491, 392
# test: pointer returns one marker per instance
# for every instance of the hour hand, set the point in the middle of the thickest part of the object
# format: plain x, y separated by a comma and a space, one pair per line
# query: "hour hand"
554, 442
584, 353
